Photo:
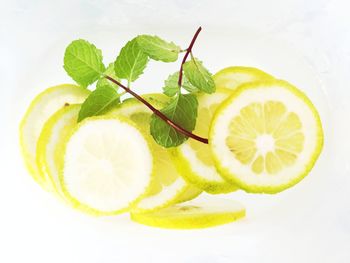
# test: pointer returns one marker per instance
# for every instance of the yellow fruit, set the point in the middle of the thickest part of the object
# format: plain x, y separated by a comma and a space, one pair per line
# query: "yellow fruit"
193, 214
50, 144
266, 137
40, 109
106, 165
231, 77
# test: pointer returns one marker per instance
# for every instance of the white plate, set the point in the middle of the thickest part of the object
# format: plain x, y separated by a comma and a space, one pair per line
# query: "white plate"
306, 43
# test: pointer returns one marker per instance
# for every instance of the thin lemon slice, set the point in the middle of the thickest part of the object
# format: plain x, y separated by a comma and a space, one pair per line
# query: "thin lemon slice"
232, 77
40, 109
194, 159
50, 145
193, 214
266, 137
107, 165
168, 187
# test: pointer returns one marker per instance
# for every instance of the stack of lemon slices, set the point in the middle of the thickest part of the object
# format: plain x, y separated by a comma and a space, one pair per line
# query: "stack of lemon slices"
264, 135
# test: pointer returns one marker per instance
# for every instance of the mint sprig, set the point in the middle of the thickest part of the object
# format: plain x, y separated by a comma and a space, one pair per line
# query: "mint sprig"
169, 126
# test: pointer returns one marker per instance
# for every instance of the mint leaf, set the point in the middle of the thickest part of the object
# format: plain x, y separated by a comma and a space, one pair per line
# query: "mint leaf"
130, 62
83, 62
105, 82
183, 111
199, 76
171, 86
158, 49
99, 102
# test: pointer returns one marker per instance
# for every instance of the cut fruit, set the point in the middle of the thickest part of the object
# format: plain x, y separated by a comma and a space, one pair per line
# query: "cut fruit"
266, 137
232, 77
50, 145
168, 187
193, 214
107, 165
194, 159
40, 109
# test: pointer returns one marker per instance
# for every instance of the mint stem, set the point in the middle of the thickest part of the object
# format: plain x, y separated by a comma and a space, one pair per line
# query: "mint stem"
158, 113
188, 51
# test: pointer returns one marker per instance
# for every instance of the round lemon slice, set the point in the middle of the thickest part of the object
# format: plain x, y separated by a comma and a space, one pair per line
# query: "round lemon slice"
232, 77
266, 137
194, 159
50, 146
193, 214
107, 165
168, 187
40, 109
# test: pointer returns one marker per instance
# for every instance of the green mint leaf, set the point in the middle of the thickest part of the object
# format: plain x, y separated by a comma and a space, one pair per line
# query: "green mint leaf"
83, 62
199, 76
171, 86
187, 85
105, 82
158, 49
130, 62
182, 110
99, 102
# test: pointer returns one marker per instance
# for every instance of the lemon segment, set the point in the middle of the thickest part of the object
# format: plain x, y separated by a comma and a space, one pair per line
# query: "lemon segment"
193, 214
231, 77
50, 146
266, 137
40, 109
167, 187
194, 160
106, 166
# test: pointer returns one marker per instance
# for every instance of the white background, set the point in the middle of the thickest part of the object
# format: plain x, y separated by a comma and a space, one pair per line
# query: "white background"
305, 42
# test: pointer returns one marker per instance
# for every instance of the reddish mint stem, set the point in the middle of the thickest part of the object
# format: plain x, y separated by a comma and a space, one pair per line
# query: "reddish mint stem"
188, 51
158, 113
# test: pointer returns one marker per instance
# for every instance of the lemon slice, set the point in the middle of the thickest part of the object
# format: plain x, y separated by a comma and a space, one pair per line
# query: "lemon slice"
232, 77
40, 109
49, 146
107, 165
168, 187
194, 160
266, 137
193, 214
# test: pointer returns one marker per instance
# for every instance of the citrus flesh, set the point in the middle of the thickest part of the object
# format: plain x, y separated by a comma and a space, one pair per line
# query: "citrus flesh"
266, 137
106, 166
